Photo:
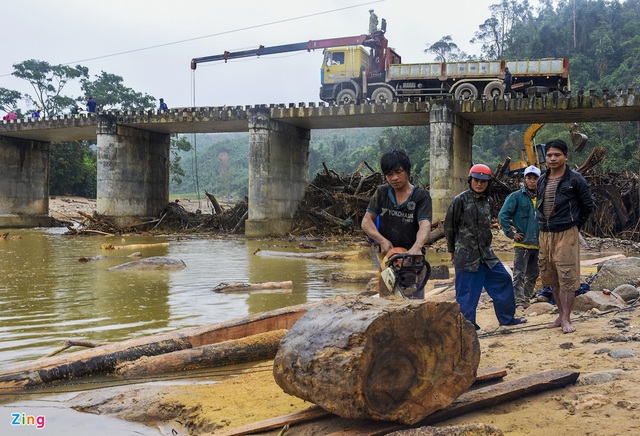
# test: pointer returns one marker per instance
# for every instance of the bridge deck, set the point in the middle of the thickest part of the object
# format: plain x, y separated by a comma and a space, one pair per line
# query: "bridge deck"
552, 108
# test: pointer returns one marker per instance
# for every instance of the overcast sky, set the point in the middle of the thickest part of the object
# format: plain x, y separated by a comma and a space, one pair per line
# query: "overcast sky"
151, 43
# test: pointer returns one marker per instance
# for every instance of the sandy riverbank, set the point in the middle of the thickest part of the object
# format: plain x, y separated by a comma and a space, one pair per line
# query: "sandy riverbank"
608, 408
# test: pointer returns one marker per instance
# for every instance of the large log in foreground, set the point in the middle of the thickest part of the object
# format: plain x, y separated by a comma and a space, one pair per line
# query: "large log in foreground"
373, 358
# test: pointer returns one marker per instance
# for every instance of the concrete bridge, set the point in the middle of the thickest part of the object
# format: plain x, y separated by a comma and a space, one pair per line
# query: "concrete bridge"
133, 149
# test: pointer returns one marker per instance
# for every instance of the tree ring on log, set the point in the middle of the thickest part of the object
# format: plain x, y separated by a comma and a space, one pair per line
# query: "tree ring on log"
373, 358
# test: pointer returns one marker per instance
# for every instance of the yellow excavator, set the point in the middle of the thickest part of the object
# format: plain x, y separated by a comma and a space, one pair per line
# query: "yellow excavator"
535, 152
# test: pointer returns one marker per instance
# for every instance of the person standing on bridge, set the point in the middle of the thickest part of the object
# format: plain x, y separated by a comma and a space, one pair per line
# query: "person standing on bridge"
91, 104
163, 105
508, 80
564, 203
467, 228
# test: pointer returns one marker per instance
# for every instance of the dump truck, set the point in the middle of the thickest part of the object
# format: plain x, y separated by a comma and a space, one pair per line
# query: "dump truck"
364, 68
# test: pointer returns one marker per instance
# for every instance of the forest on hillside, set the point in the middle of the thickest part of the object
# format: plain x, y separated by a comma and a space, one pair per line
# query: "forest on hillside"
601, 38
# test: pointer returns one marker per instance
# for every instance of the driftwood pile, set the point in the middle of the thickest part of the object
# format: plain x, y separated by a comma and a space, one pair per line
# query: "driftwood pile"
335, 203
174, 218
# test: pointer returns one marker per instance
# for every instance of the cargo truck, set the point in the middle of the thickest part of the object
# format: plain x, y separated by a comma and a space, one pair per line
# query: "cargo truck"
364, 67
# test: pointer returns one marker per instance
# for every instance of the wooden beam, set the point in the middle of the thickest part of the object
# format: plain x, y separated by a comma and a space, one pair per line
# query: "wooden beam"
315, 412
474, 400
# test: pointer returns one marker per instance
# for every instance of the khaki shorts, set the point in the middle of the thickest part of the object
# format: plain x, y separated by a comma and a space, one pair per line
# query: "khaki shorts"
560, 259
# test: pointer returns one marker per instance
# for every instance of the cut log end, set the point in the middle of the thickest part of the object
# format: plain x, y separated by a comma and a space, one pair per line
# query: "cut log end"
371, 358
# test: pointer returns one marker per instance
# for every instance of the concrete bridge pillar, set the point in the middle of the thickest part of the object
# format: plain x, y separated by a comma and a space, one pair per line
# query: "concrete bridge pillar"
24, 184
133, 172
278, 172
451, 139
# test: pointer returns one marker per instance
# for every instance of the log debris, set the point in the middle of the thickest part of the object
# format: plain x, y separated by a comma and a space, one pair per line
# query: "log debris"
323, 255
103, 360
252, 287
372, 358
253, 348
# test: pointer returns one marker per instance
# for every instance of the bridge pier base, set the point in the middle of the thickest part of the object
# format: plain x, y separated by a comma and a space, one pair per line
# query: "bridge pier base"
278, 172
451, 155
24, 185
133, 172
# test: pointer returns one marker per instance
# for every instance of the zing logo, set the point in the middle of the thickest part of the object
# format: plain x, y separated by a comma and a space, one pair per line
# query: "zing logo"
24, 419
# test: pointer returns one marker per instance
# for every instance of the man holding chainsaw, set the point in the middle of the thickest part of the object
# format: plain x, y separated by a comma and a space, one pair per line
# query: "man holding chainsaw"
403, 215
467, 227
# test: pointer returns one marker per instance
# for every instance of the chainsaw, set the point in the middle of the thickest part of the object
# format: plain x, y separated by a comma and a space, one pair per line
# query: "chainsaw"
406, 275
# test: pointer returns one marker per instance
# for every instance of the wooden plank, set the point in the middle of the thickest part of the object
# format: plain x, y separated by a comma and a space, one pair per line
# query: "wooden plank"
310, 414
315, 412
474, 400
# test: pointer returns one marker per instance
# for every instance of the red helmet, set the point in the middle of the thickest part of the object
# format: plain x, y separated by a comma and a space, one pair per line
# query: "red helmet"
480, 172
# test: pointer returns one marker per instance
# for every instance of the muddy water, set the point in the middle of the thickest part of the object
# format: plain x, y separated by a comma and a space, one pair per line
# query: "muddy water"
47, 295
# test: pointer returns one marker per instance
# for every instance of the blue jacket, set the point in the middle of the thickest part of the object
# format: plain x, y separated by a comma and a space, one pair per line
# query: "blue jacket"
572, 206
518, 211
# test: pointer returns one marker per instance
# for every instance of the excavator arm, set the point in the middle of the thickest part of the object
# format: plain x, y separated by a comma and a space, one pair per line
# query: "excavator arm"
529, 146
536, 157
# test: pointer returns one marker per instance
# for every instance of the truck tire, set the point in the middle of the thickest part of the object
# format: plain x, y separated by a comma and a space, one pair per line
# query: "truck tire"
494, 89
346, 96
466, 91
382, 96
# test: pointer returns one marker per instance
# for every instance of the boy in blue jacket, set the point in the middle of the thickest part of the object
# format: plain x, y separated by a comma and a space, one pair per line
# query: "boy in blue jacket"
519, 222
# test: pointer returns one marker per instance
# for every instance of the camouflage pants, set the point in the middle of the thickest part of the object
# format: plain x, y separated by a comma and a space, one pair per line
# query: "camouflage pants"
525, 274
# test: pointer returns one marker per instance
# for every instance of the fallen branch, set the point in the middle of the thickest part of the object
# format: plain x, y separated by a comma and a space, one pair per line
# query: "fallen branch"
75, 343
324, 255
249, 287
126, 247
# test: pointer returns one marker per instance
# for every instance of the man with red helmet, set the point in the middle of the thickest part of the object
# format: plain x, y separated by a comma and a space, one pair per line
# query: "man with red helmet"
467, 228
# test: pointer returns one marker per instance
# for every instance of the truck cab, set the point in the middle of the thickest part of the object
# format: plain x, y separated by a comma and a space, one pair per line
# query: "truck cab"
341, 73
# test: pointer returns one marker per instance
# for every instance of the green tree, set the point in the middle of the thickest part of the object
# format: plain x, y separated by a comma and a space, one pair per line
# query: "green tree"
109, 91
47, 82
181, 144
73, 169
446, 50
9, 99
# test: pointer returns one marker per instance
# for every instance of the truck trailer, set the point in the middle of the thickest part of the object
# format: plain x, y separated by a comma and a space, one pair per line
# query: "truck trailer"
364, 68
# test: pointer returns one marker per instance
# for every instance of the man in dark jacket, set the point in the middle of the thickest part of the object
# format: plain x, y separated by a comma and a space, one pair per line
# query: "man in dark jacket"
519, 222
564, 204
467, 227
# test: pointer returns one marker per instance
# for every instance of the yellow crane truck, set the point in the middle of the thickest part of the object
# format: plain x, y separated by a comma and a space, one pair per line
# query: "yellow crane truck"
364, 67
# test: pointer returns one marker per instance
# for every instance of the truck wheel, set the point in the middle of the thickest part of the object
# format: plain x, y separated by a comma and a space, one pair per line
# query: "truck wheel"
466, 91
494, 89
382, 96
346, 96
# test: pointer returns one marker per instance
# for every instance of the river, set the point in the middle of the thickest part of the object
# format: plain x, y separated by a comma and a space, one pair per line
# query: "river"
49, 296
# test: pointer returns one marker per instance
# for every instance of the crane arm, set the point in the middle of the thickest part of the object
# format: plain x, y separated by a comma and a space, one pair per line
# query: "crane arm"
262, 50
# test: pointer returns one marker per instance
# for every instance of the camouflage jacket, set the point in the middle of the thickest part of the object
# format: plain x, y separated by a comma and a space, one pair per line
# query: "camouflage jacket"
467, 227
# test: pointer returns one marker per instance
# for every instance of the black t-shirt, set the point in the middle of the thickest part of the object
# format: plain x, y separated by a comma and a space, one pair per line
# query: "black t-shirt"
399, 223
